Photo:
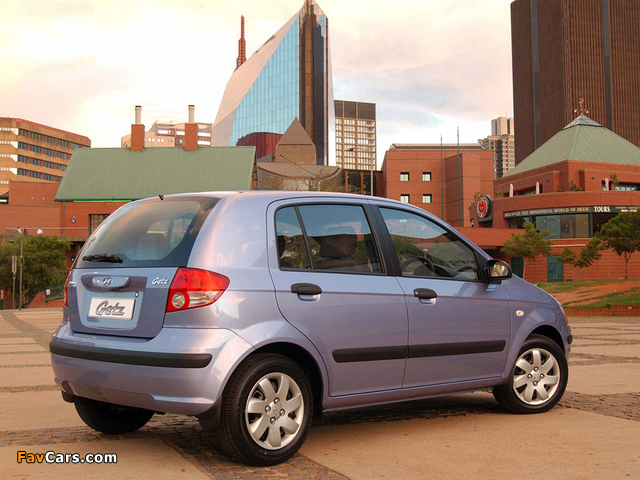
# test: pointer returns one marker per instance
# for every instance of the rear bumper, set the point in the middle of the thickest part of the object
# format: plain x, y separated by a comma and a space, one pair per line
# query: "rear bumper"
181, 370
150, 359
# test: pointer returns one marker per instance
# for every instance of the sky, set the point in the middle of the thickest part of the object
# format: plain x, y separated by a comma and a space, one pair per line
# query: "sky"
430, 66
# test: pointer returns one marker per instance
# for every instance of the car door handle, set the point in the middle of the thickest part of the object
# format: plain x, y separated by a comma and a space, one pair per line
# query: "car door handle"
425, 293
306, 289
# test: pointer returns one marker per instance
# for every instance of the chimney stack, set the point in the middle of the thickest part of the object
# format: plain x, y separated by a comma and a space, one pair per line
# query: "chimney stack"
137, 132
191, 131
242, 46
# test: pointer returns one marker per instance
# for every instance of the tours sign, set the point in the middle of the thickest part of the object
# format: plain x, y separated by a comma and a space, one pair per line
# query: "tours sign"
568, 210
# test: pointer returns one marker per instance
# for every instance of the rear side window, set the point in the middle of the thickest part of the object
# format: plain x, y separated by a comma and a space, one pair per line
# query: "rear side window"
338, 237
149, 233
292, 249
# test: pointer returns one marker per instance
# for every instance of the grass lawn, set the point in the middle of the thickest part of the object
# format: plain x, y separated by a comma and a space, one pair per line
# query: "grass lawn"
594, 294
560, 287
630, 297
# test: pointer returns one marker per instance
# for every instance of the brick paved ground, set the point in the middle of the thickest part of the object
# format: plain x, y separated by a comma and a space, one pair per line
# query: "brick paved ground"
25, 336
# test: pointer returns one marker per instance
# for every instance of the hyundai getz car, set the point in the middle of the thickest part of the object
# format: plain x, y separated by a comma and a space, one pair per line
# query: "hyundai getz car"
256, 311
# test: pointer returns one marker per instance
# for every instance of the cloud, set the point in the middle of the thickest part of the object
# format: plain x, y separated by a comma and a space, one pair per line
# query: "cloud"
82, 66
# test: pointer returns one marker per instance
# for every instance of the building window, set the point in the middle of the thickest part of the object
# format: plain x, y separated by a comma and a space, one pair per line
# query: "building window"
95, 220
426, 176
426, 198
404, 198
404, 176
627, 187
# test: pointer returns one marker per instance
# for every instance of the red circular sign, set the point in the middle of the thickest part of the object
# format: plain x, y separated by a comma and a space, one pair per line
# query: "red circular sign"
482, 208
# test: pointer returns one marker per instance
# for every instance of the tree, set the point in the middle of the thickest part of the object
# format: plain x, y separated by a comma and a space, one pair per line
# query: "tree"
528, 245
589, 253
622, 235
44, 262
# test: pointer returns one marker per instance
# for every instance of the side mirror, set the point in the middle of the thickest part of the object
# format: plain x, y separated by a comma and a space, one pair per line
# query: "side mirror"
497, 270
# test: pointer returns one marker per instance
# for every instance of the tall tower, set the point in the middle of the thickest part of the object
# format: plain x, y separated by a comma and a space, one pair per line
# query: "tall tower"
288, 78
242, 45
568, 50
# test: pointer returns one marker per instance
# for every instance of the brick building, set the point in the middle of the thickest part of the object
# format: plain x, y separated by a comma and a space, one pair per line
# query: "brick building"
567, 50
434, 178
572, 185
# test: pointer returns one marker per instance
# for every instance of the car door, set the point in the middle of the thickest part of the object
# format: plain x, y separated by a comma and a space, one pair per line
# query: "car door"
459, 326
331, 284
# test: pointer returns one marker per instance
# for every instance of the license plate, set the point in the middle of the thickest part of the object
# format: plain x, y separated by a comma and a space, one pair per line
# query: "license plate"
121, 308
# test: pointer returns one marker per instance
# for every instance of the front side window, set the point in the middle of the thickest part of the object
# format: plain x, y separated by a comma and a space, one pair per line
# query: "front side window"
425, 249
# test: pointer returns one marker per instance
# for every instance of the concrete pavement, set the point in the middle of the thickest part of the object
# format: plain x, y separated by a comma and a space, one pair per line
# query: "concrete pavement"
593, 433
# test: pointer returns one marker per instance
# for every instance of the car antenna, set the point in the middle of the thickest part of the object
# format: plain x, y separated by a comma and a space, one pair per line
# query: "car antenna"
161, 197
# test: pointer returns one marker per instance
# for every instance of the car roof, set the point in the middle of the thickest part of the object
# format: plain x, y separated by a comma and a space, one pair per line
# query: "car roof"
273, 195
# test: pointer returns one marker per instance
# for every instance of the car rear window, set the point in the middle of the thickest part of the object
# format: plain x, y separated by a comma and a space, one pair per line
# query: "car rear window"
151, 233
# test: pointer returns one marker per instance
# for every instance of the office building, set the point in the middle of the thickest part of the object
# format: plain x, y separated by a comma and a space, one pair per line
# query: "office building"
501, 142
572, 57
167, 133
31, 152
288, 77
355, 135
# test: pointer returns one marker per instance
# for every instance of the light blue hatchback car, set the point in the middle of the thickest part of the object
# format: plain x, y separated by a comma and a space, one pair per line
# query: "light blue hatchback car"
256, 311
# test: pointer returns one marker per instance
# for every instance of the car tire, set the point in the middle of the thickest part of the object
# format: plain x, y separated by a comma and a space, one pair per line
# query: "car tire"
109, 418
266, 411
537, 380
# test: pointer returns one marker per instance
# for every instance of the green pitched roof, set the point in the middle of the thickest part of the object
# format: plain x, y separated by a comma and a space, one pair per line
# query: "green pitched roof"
583, 139
120, 174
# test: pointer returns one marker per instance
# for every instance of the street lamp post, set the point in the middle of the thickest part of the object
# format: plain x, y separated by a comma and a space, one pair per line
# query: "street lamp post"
14, 269
20, 264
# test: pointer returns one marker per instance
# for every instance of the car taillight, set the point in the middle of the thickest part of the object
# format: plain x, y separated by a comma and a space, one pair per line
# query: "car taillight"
65, 293
193, 288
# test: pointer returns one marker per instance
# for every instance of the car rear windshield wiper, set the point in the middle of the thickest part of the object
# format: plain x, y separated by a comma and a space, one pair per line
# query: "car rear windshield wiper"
103, 257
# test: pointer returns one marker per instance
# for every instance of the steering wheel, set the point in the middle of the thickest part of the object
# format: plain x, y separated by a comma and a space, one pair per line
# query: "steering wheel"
423, 260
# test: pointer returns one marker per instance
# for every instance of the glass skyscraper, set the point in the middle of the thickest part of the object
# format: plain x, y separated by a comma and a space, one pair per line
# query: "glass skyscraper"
286, 78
